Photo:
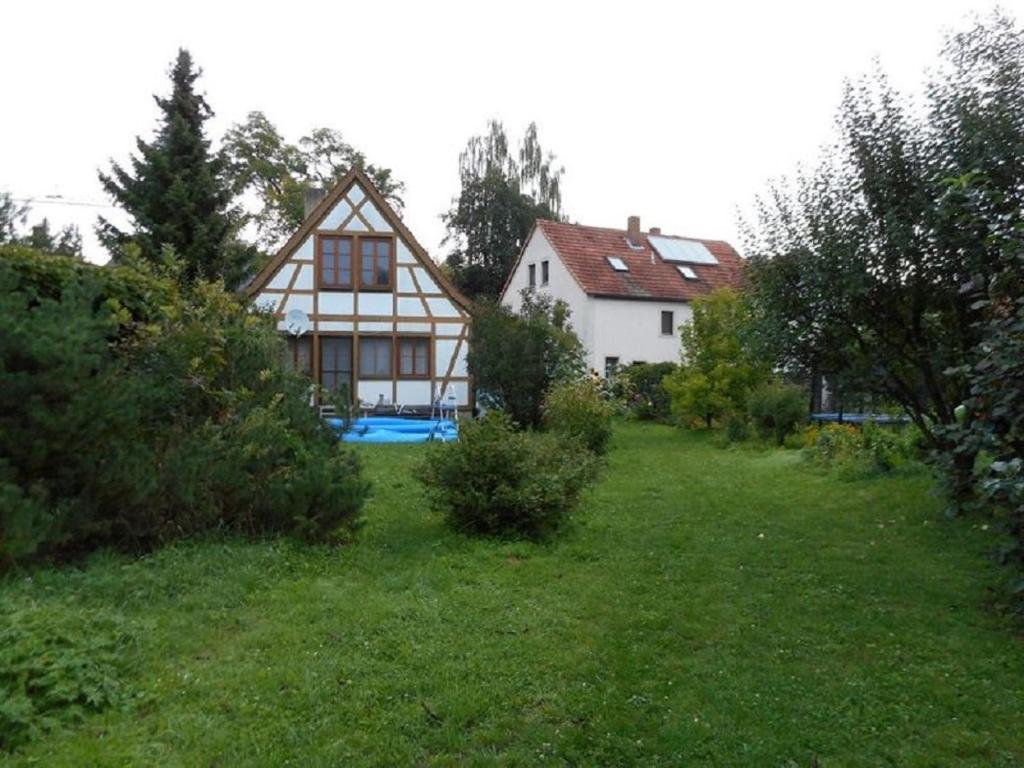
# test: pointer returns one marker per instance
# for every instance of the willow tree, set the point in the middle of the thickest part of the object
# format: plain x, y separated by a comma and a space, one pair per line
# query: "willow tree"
504, 191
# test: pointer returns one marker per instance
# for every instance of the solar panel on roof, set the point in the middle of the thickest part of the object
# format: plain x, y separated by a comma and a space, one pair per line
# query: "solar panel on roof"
688, 273
673, 249
618, 264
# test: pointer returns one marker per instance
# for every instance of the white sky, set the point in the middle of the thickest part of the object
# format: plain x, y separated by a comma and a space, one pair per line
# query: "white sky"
676, 112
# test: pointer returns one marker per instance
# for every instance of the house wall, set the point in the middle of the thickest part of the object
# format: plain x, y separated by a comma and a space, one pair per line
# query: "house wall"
418, 305
627, 329
562, 285
631, 331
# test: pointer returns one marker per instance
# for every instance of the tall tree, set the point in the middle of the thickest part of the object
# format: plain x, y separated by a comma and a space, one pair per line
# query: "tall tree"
177, 192
866, 267
503, 194
11, 216
279, 173
67, 241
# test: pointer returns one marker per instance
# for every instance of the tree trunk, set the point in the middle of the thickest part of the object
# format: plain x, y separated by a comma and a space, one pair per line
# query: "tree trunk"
961, 477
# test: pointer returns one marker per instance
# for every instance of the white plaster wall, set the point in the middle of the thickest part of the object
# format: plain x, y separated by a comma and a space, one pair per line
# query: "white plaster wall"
622, 328
370, 390
561, 284
413, 392
631, 331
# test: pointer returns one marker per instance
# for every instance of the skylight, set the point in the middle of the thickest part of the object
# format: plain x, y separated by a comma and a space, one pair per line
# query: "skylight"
675, 250
633, 246
618, 264
688, 273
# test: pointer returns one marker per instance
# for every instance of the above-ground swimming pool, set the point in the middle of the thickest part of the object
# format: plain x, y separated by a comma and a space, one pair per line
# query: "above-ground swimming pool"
394, 429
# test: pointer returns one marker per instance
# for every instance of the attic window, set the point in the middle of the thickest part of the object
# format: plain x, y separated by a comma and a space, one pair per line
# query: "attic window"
688, 273
618, 264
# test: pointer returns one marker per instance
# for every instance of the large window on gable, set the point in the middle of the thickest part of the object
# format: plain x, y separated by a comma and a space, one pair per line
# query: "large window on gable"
414, 357
375, 356
375, 263
334, 257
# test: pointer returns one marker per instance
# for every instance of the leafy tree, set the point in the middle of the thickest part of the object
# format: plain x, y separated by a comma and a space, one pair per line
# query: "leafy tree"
279, 173
861, 266
176, 191
777, 409
719, 366
11, 215
67, 242
516, 358
503, 194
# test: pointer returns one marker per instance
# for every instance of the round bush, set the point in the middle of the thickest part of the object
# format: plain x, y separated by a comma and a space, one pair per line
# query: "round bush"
498, 481
578, 410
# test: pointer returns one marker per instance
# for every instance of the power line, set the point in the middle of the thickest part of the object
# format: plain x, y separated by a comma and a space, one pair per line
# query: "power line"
61, 200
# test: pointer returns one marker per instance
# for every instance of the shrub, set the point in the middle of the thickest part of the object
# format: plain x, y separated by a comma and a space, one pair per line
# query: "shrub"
776, 410
498, 481
578, 410
55, 667
134, 411
516, 357
862, 450
720, 366
639, 386
737, 428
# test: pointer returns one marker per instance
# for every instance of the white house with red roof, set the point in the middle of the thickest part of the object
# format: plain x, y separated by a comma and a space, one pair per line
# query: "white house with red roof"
628, 290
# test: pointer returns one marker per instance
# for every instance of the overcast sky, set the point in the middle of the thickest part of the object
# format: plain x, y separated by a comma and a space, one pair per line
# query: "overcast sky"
676, 112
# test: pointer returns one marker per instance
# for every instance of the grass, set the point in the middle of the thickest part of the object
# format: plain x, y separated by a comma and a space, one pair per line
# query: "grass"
708, 607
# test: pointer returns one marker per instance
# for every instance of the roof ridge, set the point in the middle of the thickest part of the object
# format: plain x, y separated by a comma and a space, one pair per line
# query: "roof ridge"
624, 231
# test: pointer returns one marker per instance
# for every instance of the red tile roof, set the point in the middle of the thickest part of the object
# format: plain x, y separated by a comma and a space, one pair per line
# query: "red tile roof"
585, 251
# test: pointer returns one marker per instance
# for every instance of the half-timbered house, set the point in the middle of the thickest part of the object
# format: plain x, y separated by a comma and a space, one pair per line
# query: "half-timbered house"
382, 322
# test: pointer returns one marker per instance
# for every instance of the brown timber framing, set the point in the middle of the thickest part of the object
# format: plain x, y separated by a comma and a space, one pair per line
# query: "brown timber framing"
403, 244
323, 208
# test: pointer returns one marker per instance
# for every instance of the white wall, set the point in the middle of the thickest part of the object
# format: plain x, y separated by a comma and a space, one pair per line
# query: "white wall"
627, 329
562, 285
631, 331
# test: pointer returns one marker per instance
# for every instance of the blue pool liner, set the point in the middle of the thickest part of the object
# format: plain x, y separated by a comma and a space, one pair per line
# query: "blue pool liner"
393, 429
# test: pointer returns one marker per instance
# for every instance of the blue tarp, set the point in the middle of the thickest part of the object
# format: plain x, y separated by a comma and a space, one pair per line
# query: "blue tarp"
393, 429
860, 418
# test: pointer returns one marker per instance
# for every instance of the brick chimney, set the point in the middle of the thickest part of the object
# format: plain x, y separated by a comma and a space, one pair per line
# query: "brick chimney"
655, 230
311, 198
633, 229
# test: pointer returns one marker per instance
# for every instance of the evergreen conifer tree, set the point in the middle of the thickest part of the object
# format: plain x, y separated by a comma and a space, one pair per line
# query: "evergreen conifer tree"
176, 191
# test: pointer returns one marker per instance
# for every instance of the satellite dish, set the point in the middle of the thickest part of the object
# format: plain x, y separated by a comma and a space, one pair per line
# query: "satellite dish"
297, 322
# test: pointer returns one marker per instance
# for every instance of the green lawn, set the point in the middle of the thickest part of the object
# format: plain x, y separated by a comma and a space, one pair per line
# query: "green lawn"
708, 607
